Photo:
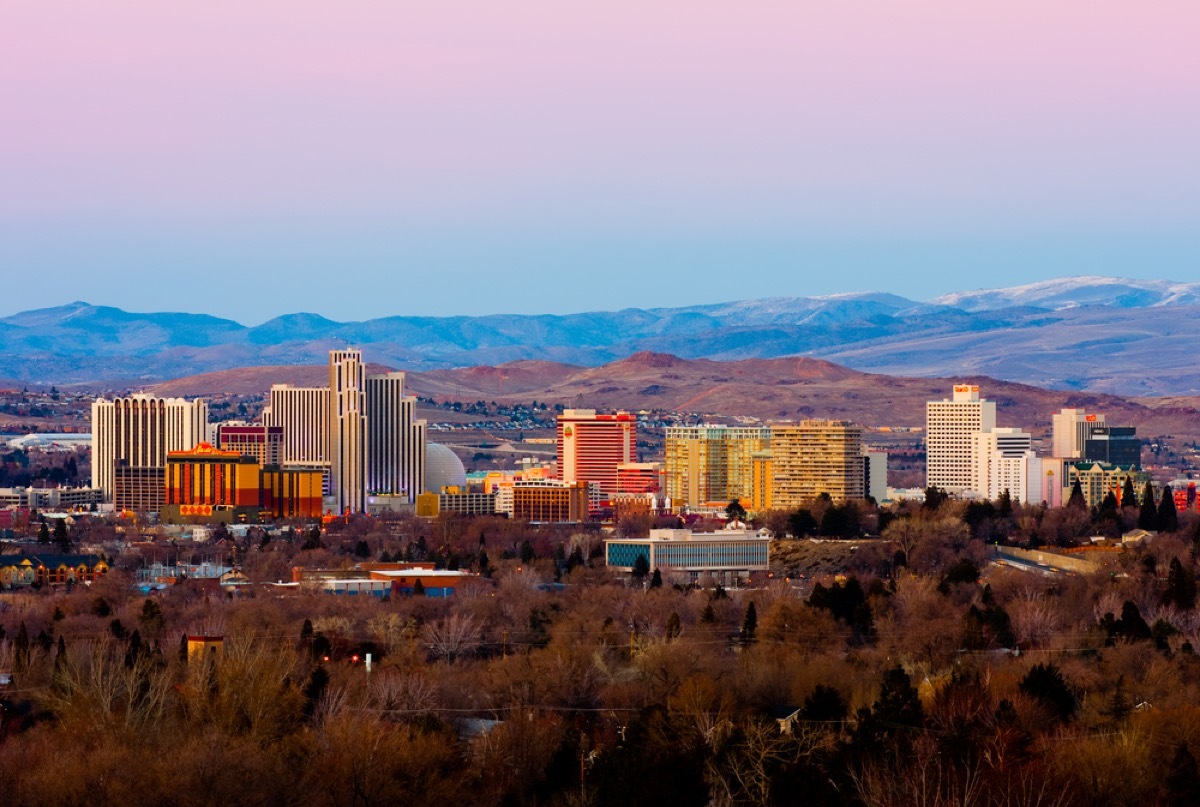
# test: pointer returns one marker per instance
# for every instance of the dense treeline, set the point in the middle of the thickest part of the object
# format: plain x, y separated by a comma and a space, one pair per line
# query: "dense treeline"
923, 676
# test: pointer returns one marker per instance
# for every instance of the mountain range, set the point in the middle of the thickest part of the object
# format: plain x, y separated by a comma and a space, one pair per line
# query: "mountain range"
766, 389
1095, 334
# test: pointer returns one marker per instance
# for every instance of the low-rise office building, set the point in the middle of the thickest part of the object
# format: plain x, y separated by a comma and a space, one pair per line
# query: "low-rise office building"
683, 556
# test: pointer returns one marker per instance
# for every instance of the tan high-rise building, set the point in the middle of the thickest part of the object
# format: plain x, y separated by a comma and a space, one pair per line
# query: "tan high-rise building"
815, 457
396, 439
712, 464
1072, 428
303, 414
950, 429
347, 430
139, 431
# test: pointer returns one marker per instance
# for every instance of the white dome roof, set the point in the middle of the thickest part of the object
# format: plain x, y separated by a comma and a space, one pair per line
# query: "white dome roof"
443, 468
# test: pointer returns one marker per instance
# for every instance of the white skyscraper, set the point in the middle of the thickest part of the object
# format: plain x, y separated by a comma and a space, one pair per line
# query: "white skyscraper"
140, 430
1002, 459
396, 439
950, 429
347, 430
303, 413
1072, 428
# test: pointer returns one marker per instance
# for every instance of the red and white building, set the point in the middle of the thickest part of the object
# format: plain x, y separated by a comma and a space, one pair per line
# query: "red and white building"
591, 446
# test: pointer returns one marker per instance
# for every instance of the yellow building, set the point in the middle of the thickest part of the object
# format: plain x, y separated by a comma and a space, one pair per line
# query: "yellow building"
712, 464
814, 457
1098, 479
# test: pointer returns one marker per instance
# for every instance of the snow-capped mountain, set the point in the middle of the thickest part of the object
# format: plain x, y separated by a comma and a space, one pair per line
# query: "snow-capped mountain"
1073, 292
1085, 333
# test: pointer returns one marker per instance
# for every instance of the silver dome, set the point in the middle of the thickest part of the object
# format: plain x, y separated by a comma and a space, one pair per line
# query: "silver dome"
443, 468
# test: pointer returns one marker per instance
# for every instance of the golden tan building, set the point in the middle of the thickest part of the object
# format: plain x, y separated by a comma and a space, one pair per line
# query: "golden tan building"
550, 502
811, 458
712, 464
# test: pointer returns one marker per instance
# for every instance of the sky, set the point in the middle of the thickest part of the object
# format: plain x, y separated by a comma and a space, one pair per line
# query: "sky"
248, 158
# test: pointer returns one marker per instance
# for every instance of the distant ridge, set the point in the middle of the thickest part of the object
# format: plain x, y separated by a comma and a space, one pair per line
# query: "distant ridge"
1130, 337
785, 388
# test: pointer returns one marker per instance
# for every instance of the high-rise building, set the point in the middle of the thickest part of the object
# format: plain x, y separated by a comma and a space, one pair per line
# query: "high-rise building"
712, 463
395, 441
999, 442
815, 457
347, 430
874, 474
1004, 461
591, 446
303, 414
264, 443
139, 431
1117, 445
1071, 430
950, 429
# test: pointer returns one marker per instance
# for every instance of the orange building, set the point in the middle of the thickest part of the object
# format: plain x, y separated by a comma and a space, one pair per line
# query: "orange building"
207, 482
210, 476
293, 492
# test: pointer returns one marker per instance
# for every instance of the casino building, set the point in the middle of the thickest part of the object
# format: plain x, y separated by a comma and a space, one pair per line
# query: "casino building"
207, 483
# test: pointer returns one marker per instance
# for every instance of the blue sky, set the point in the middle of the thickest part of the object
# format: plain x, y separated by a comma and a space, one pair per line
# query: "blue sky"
253, 158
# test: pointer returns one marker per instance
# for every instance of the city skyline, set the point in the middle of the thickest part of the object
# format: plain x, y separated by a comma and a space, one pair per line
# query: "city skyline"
674, 151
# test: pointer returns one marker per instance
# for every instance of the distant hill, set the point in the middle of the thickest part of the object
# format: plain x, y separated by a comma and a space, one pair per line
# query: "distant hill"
1129, 337
785, 388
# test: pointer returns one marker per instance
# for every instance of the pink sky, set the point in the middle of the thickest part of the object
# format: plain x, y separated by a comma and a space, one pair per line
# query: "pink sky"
242, 126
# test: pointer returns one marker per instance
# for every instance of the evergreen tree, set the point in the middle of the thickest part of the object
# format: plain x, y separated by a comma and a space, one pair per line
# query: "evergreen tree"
641, 567
21, 648
1108, 507
734, 511
656, 579
887, 724
527, 553
1168, 518
43, 534
1132, 625
318, 680
934, 498
750, 625
1128, 494
60, 655
484, 563
1148, 515
1118, 705
1045, 684
708, 616
151, 618
362, 549
62, 538
1181, 587
1077, 500
825, 705
801, 523
183, 649
1004, 504
312, 540
418, 588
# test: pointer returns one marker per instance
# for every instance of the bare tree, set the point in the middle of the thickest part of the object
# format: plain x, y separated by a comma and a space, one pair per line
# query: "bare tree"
452, 637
